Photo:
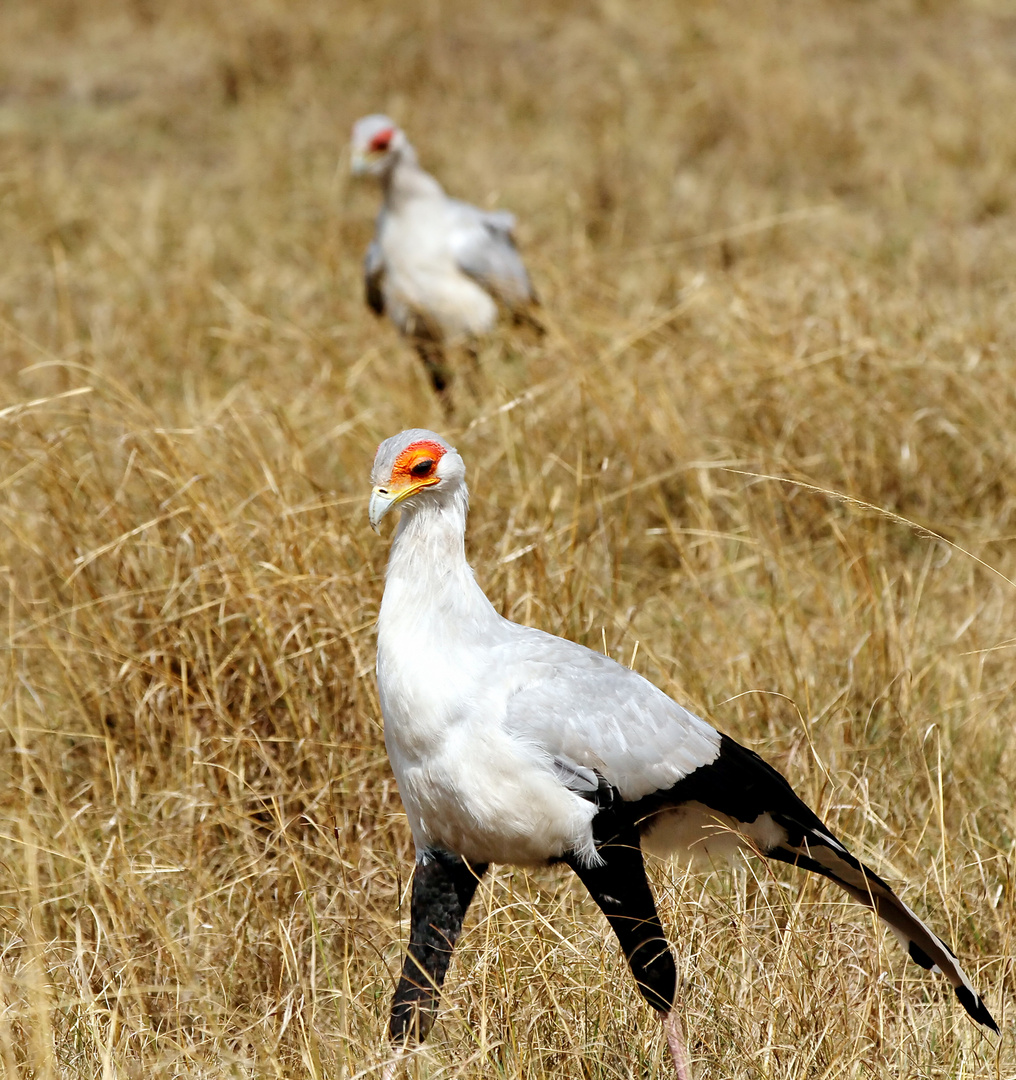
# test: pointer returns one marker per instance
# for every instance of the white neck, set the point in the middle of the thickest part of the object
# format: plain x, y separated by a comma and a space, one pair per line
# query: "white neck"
429, 587
405, 180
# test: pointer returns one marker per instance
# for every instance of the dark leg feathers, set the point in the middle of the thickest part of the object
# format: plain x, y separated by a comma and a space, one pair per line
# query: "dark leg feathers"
622, 891
436, 365
443, 887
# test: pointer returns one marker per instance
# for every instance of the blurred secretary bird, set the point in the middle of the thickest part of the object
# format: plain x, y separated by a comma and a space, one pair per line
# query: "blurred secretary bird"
511, 745
438, 267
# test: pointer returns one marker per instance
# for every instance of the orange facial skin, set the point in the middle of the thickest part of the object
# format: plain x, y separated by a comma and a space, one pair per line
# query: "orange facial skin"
379, 144
416, 466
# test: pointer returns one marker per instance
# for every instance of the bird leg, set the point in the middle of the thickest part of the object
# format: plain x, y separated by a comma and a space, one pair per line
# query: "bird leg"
436, 365
524, 317
391, 1068
621, 890
473, 372
443, 886
676, 1045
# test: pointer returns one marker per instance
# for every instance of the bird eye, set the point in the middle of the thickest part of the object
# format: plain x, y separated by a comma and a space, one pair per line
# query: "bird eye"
422, 468
380, 142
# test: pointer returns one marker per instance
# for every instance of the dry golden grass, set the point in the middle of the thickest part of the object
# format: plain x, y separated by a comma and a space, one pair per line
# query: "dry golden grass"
768, 450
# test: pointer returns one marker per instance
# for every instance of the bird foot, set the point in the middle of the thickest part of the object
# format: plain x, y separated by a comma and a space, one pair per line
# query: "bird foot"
392, 1065
675, 1042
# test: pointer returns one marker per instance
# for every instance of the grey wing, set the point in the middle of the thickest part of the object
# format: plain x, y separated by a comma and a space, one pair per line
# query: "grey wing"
483, 247
590, 712
373, 278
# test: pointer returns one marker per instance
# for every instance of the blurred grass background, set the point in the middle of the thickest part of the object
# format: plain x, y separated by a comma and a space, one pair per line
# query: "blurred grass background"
767, 453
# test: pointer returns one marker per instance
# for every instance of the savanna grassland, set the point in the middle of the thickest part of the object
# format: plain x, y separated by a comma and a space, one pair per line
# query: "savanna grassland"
766, 453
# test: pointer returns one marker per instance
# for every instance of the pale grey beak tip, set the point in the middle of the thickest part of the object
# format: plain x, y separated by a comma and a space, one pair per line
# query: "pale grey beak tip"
380, 504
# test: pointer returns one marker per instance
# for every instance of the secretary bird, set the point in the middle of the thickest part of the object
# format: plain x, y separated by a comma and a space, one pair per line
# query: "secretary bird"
436, 266
511, 745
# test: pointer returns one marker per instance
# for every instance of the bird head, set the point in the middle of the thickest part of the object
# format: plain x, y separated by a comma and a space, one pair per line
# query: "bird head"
376, 144
412, 468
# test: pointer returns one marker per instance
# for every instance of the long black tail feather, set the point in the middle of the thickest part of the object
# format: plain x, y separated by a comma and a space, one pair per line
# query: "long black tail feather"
760, 804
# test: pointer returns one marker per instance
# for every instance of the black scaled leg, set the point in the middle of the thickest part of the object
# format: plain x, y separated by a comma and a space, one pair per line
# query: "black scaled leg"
621, 889
436, 365
443, 886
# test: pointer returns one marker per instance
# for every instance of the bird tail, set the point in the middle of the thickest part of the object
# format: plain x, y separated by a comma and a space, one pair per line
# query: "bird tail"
817, 850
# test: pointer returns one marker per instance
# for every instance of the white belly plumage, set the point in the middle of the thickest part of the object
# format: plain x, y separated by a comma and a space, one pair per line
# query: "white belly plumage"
505, 806
457, 305
424, 281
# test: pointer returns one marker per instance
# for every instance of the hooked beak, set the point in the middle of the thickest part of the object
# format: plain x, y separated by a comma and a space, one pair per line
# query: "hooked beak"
382, 499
